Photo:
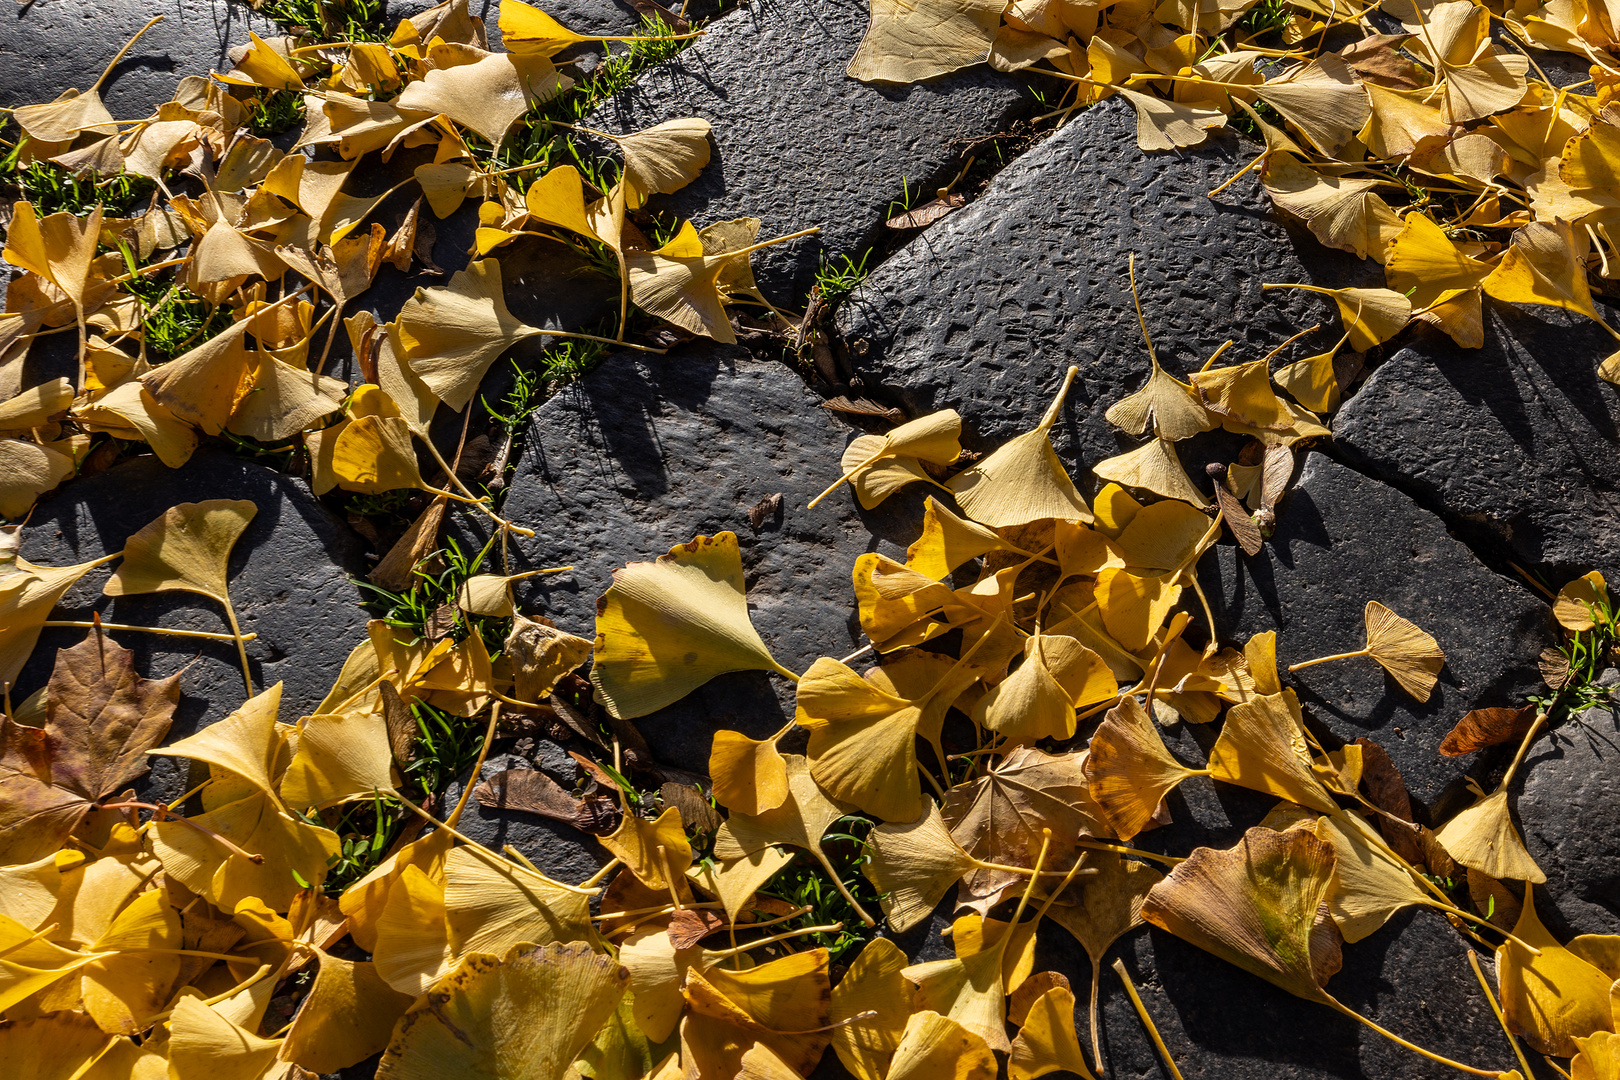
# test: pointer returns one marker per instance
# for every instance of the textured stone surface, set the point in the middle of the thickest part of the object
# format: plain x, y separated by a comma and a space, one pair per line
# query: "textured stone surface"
646, 453
985, 311
1569, 811
46, 48
799, 143
1518, 439
287, 579
1343, 539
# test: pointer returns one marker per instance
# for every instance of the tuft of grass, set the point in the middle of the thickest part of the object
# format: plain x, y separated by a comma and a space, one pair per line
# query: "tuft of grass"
1266, 17
804, 883
173, 318
53, 189
414, 608
837, 280
330, 20
1588, 653
274, 111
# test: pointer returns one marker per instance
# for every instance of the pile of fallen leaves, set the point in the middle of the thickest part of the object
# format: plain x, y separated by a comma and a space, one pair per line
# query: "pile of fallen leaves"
1510, 184
1003, 746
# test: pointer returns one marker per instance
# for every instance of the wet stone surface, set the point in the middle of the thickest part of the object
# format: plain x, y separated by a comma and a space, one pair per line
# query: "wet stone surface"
1518, 442
288, 581
1569, 808
797, 143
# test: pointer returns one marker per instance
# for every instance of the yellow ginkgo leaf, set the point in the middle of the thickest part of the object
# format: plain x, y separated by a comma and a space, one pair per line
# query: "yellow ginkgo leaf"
204, 1045
680, 282
735, 881
1262, 747
341, 756
29, 963
188, 549
1165, 401
749, 775
665, 628
948, 541
656, 852
1583, 603
1545, 264
1412, 657
905, 43
558, 199
55, 1046
1370, 315
1312, 381
374, 454
1323, 100
1483, 838
730, 1010
935, 1047
248, 743
1369, 883
488, 94
28, 592
1135, 606
494, 904
1167, 125
1552, 999
882, 464
871, 1006
527, 29
524, 1016
412, 934
347, 1016
1047, 1041
1039, 699
1129, 769
913, 864
1154, 467
451, 335
285, 844
663, 158
1344, 213
1424, 263
1023, 480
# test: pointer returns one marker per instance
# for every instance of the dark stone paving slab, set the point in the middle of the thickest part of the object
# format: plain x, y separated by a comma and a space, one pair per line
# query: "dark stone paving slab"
1343, 539
1569, 811
646, 453
288, 579
986, 310
799, 143
47, 47
562, 852
1518, 441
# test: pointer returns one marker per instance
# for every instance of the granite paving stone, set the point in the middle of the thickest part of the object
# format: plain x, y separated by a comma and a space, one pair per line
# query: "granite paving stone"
1518, 442
288, 580
797, 142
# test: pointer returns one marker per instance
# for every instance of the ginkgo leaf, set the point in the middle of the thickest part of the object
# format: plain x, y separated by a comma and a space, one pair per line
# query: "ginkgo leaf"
1259, 905
411, 933
1545, 265
540, 656
728, 1011
488, 94
1583, 603
257, 824
799, 822
1135, 606
935, 1047
871, 1006
1129, 770
340, 756
1167, 125
1412, 657
1164, 401
1401, 122
493, 904
665, 628
1343, 213
1424, 263
284, 400
1110, 905
27, 471
558, 199
527, 29
1552, 999
374, 454
1154, 467
524, 1016
1023, 480
248, 743
879, 463
188, 549
1313, 382
749, 775
1369, 883
204, 1044
28, 592
1483, 838
1370, 315
1262, 747
908, 43
912, 865
1039, 699
451, 336
1047, 1041
347, 1016
663, 158
656, 852
680, 282
1322, 99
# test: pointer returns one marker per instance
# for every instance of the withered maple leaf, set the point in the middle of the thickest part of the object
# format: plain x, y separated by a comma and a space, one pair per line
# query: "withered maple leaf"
101, 718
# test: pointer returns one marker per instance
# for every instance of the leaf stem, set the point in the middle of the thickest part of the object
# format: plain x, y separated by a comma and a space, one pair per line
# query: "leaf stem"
130, 44
456, 480
1324, 659
241, 644
1121, 849
1473, 961
1147, 1021
1398, 1041
204, 634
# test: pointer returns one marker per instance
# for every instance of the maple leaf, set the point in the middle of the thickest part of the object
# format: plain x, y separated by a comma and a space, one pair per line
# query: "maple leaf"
101, 718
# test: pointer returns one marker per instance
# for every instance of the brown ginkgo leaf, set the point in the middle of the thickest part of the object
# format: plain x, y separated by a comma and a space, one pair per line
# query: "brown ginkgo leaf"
1480, 728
